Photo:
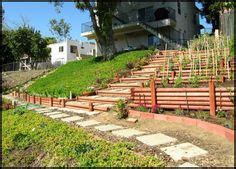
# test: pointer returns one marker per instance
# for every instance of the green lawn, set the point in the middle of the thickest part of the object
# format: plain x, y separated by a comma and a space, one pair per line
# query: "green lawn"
30, 139
77, 76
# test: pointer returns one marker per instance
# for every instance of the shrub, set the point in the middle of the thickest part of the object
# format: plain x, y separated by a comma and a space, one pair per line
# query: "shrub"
130, 65
142, 108
164, 82
194, 81
20, 110
202, 115
121, 109
178, 82
221, 114
151, 48
179, 112
147, 84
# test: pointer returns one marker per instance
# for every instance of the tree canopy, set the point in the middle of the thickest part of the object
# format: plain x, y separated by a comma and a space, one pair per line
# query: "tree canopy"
23, 41
60, 29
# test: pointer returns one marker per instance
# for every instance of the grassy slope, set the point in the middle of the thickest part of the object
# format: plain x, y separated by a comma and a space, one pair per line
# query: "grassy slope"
78, 75
34, 140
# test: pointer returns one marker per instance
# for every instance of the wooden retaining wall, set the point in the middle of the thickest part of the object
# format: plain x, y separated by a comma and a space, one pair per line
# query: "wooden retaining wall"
209, 98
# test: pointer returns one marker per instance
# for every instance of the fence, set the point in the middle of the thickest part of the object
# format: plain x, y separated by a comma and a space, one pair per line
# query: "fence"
210, 98
16, 66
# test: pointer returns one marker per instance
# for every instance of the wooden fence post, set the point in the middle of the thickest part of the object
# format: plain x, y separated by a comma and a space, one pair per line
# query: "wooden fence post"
91, 108
173, 74
33, 99
132, 93
28, 98
51, 102
222, 62
153, 93
40, 100
63, 103
212, 98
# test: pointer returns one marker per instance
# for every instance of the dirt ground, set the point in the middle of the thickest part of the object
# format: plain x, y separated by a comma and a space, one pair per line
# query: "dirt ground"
220, 150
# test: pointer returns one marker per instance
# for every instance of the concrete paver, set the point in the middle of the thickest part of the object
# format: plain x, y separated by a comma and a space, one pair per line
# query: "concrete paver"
88, 123
52, 113
56, 116
187, 164
155, 139
108, 127
186, 150
72, 119
127, 132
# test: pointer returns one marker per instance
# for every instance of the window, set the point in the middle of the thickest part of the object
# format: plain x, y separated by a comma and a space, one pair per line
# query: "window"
73, 49
179, 7
61, 49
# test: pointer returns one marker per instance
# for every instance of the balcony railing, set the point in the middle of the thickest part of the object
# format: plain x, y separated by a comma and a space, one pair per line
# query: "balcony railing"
132, 17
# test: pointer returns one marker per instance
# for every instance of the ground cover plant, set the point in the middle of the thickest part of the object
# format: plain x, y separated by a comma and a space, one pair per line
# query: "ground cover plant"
30, 139
77, 76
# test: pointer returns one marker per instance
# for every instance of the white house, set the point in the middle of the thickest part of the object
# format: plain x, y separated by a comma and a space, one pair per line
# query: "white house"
70, 50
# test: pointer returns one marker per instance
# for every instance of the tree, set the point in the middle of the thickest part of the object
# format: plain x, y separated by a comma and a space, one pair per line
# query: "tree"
60, 29
211, 10
27, 41
101, 14
6, 54
50, 40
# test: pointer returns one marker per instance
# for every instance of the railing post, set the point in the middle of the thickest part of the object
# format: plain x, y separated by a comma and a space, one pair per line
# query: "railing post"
33, 99
51, 102
212, 98
173, 74
132, 93
40, 100
28, 98
222, 63
63, 103
153, 93
91, 108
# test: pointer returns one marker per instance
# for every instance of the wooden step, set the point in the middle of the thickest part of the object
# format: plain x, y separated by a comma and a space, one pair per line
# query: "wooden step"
99, 99
85, 105
115, 92
134, 79
124, 85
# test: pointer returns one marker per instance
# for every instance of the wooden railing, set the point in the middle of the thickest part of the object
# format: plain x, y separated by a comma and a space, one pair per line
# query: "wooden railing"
207, 98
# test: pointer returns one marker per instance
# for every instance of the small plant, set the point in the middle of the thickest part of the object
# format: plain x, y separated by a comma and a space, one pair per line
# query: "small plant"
178, 82
221, 114
20, 110
179, 112
157, 109
203, 115
151, 48
194, 81
142, 108
147, 84
130, 65
171, 65
121, 109
164, 82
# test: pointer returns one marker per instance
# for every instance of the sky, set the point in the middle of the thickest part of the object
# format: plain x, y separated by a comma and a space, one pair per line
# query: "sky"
38, 15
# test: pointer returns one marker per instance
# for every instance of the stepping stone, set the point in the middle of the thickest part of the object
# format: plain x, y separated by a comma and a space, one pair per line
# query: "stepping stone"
132, 120
88, 123
72, 119
52, 113
42, 110
74, 110
188, 165
155, 139
108, 127
127, 133
57, 116
184, 150
90, 113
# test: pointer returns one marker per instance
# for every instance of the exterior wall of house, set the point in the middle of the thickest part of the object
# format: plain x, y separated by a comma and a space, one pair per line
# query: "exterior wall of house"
81, 50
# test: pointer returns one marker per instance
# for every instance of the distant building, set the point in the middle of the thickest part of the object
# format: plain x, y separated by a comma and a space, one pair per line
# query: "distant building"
70, 50
227, 23
138, 24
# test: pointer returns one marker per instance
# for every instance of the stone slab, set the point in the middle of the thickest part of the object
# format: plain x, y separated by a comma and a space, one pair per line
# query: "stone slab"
132, 120
72, 119
78, 111
184, 150
88, 123
108, 127
57, 116
187, 164
127, 132
155, 139
90, 113
52, 113
42, 110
